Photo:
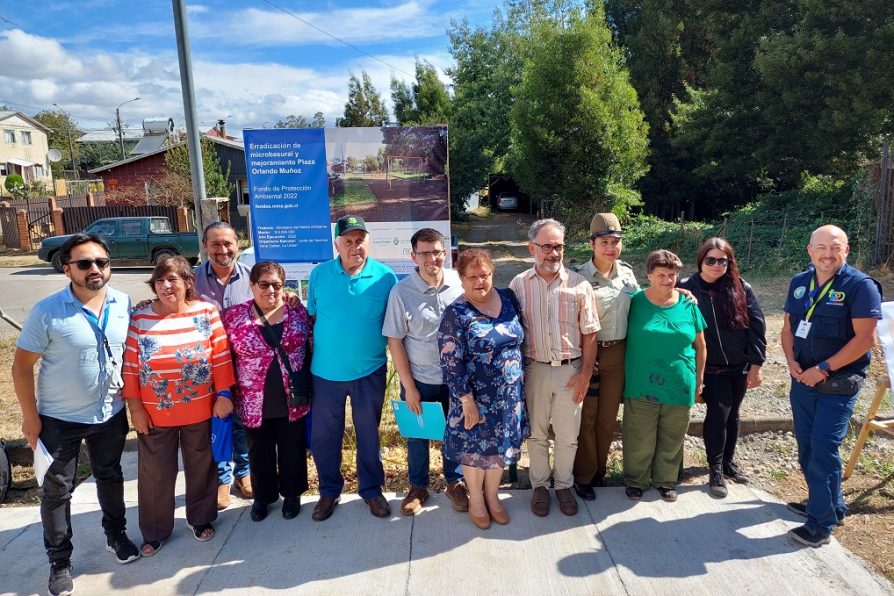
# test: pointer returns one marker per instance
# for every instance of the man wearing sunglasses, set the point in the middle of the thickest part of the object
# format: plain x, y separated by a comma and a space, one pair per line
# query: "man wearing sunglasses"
559, 317
412, 318
78, 336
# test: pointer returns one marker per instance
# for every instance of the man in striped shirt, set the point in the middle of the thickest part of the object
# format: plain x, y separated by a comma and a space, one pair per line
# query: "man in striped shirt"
560, 324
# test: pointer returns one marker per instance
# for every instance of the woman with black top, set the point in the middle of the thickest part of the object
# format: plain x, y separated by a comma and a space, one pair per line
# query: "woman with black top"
737, 347
262, 332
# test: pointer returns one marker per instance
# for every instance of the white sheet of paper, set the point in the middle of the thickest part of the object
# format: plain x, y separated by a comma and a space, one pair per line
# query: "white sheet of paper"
886, 335
42, 461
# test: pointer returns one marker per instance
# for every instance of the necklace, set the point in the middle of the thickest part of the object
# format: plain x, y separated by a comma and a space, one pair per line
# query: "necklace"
489, 308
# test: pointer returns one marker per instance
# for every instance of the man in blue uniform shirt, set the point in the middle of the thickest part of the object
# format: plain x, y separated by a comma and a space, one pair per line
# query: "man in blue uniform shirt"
829, 329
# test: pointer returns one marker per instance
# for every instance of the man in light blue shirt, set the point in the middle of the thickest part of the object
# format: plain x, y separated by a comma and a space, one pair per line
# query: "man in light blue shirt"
78, 336
411, 325
346, 299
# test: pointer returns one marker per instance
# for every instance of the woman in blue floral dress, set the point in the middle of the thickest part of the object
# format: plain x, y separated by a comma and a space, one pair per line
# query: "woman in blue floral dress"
480, 341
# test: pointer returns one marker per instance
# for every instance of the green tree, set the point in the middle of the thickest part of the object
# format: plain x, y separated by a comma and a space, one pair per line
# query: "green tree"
216, 179
577, 129
292, 121
62, 136
427, 102
318, 121
365, 106
94, 155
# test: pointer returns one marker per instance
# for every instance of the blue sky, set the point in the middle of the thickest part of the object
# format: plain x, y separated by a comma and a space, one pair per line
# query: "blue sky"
253, 63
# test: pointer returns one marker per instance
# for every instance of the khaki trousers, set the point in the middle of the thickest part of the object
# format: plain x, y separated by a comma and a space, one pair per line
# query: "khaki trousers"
599, 416
157, 472
550, 402
653, 442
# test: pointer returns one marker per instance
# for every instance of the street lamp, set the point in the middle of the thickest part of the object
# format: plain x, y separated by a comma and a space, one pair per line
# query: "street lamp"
70, 145
120, 130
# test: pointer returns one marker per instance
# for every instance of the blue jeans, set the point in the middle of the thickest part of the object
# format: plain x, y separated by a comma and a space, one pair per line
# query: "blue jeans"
328, 408
417, 449
240, 455
820, 427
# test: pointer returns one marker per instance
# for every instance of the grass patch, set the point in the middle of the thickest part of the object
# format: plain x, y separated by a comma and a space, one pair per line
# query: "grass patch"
778, 474
355, 192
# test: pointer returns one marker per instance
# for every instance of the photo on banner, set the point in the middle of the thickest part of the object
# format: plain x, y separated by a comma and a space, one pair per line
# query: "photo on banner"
302, 180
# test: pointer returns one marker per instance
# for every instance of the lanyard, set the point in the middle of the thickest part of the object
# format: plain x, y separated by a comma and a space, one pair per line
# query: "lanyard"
95, 323
813, 299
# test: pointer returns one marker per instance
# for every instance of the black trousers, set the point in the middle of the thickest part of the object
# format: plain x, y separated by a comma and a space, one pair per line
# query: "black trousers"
723, 395
105, 442
277, 453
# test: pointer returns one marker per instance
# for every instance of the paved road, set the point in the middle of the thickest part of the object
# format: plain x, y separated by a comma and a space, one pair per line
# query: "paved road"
23, 286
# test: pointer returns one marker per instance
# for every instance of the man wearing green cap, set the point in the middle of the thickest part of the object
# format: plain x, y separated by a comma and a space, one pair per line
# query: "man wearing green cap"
346, 298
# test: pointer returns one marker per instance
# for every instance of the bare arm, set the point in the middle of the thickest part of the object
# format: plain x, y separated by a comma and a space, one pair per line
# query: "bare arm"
701, 356
405, 374
581, 381
23, 380
860, 343
787, 340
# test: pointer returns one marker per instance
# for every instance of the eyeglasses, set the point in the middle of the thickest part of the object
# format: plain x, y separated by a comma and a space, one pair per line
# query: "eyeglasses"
85, 264
548, 248
266, 285
711, 261
431, 254
479, 278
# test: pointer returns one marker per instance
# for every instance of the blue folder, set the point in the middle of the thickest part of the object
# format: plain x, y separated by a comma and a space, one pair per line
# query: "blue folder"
428, 425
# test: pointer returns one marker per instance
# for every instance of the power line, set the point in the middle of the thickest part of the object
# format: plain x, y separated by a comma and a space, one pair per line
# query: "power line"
24, 105
338, 39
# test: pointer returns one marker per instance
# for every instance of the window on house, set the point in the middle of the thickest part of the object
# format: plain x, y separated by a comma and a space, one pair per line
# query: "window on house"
9, 135
38, 171
3, 170
26, 137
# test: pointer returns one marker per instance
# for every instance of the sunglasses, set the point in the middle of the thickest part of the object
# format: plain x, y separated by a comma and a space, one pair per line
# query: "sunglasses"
86, 264
266, 285
711, 261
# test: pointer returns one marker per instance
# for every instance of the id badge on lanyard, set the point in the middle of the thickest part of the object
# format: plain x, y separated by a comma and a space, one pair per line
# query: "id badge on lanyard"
112, 369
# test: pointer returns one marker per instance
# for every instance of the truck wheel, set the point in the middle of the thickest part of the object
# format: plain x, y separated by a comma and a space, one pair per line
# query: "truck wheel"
56, 261
5, 472
162, 254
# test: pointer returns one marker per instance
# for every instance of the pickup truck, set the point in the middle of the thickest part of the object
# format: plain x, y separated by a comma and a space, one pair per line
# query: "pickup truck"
131, 240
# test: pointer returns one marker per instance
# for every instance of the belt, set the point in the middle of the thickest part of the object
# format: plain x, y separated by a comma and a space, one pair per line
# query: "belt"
609, 344
559, 362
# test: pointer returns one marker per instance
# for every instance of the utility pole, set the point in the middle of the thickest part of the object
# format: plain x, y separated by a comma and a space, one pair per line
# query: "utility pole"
196, 169
120, 129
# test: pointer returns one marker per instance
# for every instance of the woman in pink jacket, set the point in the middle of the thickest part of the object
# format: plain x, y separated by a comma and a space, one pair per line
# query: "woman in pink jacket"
269, 339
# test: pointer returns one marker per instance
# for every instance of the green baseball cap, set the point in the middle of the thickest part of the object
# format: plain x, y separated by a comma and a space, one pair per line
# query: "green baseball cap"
349, 223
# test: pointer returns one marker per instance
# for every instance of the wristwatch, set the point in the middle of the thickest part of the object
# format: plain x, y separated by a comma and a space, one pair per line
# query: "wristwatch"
824, 367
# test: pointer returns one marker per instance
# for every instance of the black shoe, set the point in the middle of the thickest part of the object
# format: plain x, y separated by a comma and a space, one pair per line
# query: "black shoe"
633, 493
125, 550
378, 506
716, 483
805, 535
60, 583
324, 508
732, 471
585, 491
291, 506
801, 509
668, 493
258, 511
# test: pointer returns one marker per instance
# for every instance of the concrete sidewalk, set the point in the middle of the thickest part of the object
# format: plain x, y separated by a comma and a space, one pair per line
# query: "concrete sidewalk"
698, 545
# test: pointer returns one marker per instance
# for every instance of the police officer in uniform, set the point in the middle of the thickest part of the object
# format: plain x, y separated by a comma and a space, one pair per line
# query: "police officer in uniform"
829, 329
613, 284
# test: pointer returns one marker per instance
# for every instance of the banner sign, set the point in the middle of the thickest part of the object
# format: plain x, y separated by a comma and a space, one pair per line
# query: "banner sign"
302, 180
289, 194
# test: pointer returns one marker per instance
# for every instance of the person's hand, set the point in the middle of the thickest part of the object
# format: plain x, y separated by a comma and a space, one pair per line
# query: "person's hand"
414, 400
31, 427
223, 407
794, 369
142, 304
578, 385
293, 299
812, 377
139, 417
755, 378
470, 413
700, 393
688, 295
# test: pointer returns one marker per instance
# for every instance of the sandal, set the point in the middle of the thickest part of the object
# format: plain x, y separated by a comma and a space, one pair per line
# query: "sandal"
150, 548
202, 533
668, 493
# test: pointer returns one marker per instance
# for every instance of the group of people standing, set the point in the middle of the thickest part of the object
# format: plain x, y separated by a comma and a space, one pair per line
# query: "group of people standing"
548, 359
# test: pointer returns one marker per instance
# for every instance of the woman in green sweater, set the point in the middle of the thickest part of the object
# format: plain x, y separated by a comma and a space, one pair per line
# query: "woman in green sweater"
664, 371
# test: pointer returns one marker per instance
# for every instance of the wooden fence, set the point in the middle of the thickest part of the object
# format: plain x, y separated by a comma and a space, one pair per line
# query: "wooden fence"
883, 250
